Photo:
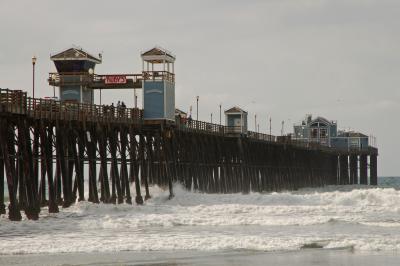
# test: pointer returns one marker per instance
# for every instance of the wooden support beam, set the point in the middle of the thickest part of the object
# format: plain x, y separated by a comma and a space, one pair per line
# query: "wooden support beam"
61, 141
32, 204
57, 180
244, 178
143, 168
149, 162
7, 143
124, 166
47, 138
373, 164
353, 169
344, 169
42, 184
134, 153
91, 144
2, 206
71, 142
363, 169
105, 187
116, 182
167, 156
81, 157
20, 167
77, 154
35, 157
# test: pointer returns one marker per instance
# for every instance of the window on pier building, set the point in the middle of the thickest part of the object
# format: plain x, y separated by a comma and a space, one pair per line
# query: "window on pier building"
314, 133
323, 133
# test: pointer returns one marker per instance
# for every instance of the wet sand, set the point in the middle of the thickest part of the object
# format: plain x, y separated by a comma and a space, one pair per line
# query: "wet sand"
300, 258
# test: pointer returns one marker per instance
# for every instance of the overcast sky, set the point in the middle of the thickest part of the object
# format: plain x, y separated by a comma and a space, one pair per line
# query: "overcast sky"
278, 58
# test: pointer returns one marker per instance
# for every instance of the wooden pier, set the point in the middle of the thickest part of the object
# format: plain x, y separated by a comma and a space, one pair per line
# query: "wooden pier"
49, 149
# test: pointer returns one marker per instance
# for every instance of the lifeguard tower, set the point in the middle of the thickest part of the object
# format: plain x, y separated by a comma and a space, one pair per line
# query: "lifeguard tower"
236, 120
75, 67
158, 85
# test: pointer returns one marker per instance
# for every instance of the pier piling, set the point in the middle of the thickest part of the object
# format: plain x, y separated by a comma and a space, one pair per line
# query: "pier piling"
363, 169
373, 170
353, 169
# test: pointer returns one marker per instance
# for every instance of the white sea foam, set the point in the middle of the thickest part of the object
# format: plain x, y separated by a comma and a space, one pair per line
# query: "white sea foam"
358, 217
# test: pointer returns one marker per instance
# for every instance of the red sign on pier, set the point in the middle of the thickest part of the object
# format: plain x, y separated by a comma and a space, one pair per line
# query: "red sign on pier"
115, 79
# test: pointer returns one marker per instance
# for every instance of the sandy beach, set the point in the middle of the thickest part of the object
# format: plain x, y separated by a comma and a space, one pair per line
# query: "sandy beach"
299, 258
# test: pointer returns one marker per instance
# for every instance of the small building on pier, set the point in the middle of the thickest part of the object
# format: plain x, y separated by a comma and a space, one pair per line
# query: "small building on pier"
236, 120
180, 113
180, 116
319, 130
350, 140
325, 132
73, 65
158, 84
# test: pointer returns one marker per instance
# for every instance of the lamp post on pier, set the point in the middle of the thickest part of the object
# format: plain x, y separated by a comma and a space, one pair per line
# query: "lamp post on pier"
53, 77
270, 128
220, 114
33, 75
255, 122
197, 107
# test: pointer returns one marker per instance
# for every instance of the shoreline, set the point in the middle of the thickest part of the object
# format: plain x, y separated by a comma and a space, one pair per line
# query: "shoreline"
223, 257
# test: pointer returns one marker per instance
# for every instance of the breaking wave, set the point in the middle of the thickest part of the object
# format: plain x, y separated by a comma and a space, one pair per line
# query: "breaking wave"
360, 218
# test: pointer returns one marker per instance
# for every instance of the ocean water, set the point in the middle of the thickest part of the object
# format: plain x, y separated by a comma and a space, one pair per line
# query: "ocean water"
355, 219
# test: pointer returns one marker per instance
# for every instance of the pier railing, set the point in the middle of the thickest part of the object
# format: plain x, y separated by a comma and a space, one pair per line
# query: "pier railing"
13, 101
17, 102
210, 128
201, 126
158, 75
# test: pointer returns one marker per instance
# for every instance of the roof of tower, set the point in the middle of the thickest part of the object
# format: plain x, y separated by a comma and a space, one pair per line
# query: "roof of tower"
235, 109
158, 55
75, 54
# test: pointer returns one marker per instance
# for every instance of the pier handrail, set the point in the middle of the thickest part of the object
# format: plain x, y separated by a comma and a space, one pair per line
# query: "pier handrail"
13, 101
210, 128
17, 102
158, 75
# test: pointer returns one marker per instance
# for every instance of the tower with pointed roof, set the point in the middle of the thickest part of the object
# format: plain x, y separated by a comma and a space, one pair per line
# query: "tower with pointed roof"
158, 84
73, 65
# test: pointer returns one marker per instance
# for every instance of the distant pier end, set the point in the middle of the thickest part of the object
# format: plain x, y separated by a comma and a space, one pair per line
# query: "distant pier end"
354, 148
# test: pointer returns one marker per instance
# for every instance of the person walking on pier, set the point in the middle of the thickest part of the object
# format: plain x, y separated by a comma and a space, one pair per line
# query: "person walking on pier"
123, 108
119, 109
112, 109
190, 120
